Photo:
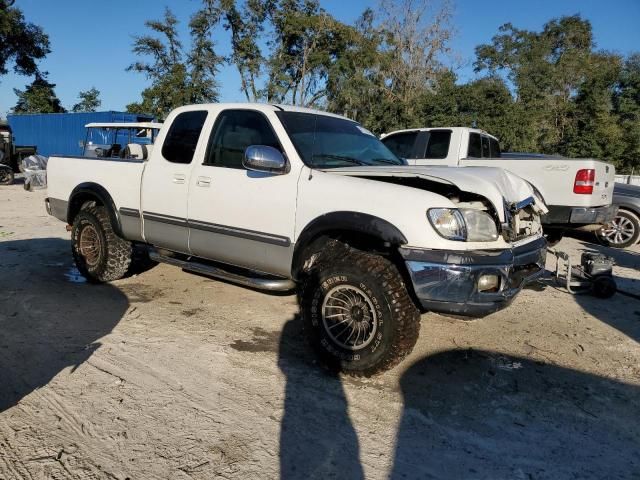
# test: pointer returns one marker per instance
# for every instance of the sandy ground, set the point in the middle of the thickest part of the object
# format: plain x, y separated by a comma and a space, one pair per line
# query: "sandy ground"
171, 375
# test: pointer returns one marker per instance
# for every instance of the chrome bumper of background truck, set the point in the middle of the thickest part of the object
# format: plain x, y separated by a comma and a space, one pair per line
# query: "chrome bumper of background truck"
576, 216
448, 281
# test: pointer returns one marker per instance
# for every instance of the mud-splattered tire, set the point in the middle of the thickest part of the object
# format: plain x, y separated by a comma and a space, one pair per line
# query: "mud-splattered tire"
100, 255
348, 287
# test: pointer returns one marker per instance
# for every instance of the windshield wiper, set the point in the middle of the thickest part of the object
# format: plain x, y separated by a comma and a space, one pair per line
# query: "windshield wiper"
341, 157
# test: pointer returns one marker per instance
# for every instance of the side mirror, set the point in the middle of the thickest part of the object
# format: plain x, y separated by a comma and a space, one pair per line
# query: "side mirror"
261, 158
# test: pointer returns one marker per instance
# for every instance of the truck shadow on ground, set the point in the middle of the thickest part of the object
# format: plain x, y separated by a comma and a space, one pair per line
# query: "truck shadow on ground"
47, 323
467, 414
481, 414
317, 438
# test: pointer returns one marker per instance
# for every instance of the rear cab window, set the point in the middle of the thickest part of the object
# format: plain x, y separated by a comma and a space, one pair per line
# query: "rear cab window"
437, 144
482, 146
180, 143
475, 146
401, 144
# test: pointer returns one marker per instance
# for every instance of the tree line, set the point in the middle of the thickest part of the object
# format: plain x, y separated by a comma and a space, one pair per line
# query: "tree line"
549, 91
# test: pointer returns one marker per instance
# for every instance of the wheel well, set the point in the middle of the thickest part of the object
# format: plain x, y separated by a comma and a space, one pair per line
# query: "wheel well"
90, 192
78, 201
629, 210
355, 239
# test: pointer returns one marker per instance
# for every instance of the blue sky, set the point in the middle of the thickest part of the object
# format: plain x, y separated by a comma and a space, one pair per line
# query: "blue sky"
91, 41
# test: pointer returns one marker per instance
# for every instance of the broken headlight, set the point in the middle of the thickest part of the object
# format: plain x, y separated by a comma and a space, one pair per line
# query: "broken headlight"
481, 227
448, 222
464, 224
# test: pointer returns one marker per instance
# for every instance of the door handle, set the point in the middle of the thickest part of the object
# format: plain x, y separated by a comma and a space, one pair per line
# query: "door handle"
179, 178
203, 181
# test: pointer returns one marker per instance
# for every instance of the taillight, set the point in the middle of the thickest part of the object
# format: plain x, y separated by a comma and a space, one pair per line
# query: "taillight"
585, 180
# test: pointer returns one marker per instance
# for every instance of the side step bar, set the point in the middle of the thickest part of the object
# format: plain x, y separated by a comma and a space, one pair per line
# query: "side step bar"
252, 279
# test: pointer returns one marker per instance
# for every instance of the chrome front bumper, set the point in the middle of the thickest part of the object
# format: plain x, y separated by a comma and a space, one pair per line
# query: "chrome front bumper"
446, 281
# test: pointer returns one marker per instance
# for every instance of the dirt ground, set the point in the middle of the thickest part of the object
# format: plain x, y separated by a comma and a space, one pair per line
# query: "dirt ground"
171, 375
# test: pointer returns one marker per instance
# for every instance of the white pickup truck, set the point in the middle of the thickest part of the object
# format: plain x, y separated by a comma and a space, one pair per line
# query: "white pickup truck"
578, 192
275, 197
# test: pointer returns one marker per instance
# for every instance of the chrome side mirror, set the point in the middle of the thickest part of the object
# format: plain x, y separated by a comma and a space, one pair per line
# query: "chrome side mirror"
262, 158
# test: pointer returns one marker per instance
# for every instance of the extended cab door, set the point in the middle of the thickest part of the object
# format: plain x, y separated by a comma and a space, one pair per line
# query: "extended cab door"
237, 216
165, 182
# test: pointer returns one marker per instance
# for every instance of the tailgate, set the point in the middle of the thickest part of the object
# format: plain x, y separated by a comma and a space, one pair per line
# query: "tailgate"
605, 179
554, 177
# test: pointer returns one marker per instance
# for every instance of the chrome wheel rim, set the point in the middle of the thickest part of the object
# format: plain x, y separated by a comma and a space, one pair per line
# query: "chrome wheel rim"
349, 317
621, 230
90, 245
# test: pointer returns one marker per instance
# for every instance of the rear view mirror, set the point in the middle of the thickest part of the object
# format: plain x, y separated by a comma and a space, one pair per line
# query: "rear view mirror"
262, 158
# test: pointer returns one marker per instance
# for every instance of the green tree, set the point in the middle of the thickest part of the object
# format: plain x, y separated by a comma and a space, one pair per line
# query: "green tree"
562, 86
246, 23
626, 101
392, 63
89, 101
21, 43
177, 77
38, 97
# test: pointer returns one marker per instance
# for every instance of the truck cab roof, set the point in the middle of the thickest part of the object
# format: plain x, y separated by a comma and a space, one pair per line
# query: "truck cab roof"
453, 129
263, 107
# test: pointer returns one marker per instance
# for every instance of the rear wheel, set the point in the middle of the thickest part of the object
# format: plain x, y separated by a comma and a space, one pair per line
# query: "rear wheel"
6, 175
357, 312
623, 232
100, 255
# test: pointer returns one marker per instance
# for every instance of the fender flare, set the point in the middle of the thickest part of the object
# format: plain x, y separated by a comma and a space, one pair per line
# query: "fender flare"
346, 221
93, 190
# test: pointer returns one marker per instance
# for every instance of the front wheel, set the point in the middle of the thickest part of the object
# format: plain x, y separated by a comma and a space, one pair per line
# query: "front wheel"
357, 312
100, 255
623, 231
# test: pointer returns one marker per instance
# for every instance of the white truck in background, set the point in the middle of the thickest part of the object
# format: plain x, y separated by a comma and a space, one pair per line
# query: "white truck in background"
277, 197
578, 192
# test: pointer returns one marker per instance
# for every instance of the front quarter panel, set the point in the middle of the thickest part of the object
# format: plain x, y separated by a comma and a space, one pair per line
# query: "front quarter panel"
323, 192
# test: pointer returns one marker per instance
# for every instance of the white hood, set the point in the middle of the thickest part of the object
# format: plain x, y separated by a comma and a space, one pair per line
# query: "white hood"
495, 184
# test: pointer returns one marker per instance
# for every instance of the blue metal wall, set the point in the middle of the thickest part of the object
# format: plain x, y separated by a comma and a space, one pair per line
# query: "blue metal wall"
62, 133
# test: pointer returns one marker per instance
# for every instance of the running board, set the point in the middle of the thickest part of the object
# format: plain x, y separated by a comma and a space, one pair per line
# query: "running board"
271, 284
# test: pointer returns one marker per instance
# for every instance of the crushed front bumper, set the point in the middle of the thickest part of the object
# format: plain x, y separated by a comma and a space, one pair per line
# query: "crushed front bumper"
446, 281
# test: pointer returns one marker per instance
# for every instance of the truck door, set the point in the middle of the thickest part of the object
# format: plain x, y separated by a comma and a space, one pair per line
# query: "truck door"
165, 182
237, 216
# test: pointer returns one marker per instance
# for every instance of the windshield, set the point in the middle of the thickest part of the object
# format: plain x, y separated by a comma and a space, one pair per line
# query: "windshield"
329, 142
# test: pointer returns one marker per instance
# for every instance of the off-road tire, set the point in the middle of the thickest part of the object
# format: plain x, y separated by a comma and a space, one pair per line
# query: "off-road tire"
113, 254
397, 318
6, 175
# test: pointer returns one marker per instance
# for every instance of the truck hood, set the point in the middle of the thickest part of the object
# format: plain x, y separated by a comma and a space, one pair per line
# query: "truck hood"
495, 184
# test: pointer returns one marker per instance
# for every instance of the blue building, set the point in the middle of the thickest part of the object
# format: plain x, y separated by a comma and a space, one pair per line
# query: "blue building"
62, 133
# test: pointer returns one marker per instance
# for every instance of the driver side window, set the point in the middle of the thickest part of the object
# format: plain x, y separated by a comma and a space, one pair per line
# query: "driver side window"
233, 132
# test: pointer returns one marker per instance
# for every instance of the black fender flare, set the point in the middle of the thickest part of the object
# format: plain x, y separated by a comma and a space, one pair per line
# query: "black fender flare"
85, 191
345, 221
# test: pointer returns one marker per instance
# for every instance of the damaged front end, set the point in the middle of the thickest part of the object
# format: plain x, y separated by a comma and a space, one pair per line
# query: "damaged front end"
479, 282
523, 219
